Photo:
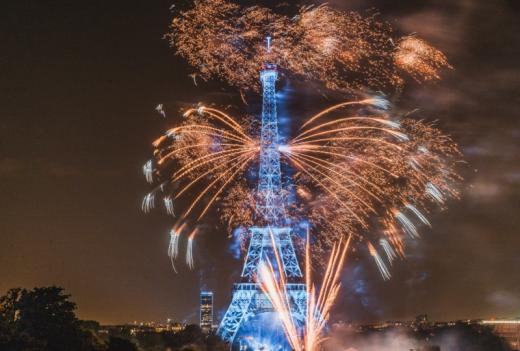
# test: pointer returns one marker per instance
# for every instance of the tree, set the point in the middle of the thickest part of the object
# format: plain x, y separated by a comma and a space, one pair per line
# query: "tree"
41, 319
215, 343
120, 344
189, 336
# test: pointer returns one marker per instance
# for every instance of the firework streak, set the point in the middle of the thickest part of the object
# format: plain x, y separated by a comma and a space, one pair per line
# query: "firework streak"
358, 171
319, 304
344, 50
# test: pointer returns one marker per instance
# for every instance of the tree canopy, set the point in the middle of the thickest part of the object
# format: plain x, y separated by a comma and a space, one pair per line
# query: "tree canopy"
41, 319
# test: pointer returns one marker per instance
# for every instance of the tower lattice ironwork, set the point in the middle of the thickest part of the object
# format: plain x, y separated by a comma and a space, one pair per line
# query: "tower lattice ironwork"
242, 318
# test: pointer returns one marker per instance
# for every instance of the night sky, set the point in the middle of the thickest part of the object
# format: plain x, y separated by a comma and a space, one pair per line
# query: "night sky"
78, 87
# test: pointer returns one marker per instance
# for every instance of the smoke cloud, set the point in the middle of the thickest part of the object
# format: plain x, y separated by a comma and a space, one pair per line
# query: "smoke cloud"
455, 338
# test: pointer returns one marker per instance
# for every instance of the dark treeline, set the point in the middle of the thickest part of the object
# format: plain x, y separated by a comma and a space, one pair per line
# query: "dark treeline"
44, 319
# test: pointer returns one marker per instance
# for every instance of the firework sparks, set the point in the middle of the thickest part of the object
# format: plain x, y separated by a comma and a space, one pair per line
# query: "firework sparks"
389, 250
168, 204
189, 249
225, 40
276, 291
160, 110
209, 145
197, 163
419, 59
148, 202
353, 169
360, 174
319, 304
385, 273
148, 171
173, 247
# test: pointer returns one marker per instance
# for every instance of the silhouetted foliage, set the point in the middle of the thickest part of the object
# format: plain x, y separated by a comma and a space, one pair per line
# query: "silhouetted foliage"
191, 335
152, 341
215, 343
120, 344
41, 319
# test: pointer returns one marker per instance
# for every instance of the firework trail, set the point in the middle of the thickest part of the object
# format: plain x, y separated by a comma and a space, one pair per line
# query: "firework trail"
419, 59
360, 174
344, 50
160, 110
319, 306
357, 169
168, 204
189, 250
198, 150
175, 233
319, 303
198, 163
389, 250
385, 273
173, 247
148, 203
148, 171
276, 291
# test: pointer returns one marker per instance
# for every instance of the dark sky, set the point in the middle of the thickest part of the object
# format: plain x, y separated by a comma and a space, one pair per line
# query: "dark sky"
79, 83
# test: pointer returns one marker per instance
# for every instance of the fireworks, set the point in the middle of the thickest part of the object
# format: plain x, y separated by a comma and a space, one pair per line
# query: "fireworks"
173, 247
168, 204
359, 171
189, 251
205, 155
385, 273
359, 174
344, 50
196, 151
319, 302
160, 110
238, 206
419, 59
370, 176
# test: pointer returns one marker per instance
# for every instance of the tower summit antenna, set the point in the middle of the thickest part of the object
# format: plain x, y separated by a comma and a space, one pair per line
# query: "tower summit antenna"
268, 43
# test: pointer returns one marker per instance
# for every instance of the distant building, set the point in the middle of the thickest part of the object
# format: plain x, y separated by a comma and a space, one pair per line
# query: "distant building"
206, 311
421, 319
174, 326
508, 329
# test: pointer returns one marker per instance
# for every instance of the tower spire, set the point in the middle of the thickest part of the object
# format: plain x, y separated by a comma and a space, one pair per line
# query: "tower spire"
270, 202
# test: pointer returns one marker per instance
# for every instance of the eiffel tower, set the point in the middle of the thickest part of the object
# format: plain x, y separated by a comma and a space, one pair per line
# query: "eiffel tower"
250, 322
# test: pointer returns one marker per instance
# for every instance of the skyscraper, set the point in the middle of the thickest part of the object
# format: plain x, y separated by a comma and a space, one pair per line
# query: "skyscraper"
206, 311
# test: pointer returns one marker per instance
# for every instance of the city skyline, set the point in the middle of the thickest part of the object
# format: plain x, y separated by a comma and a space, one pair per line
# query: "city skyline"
80, 116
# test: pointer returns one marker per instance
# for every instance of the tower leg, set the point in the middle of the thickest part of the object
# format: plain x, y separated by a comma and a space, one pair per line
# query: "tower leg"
238, 309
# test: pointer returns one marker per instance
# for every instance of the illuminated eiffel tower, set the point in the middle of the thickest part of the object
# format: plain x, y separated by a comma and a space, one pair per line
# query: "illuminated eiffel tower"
250, 321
